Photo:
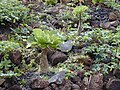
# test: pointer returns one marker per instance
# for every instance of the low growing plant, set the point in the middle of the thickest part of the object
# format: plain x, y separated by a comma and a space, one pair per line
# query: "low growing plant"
5, 63
46, 40
101, 44
7, 46
112, 4
12, 11
105, 68
78, 11
51, 2
97, 1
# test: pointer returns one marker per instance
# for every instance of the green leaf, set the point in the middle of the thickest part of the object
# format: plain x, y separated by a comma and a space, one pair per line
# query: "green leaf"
46, 38
97, 1
79, 9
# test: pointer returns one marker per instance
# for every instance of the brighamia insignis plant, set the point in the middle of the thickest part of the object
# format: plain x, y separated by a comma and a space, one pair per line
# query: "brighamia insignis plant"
78, 10
45, 39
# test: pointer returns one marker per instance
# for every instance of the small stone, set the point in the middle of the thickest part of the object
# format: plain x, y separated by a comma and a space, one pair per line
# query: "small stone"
86, 81
88, 2
36, 25
26, 88
115, 23
2, 88
54, 86
30, 28
80, 74
47, 88
57, 57
58, 78
95, 24
112, 16
76, 79
96, 82
15, 87
64, 1
86, 60
66, 46
3, 37
117, 73
15, 57
75, 87
105, 25
113, 84
112, 28
118, 1
67, 86
38, 83
2, 81
110, 25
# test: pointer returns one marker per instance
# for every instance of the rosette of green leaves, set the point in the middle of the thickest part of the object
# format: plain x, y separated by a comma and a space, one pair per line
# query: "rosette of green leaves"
46, 38
79, 9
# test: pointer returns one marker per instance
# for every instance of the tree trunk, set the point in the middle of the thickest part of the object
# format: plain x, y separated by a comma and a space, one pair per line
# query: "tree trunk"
80, 25
43, 65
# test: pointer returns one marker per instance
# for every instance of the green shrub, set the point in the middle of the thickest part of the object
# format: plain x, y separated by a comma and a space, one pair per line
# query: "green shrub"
105, 68
12, 11
112, 4
5, 63
7, 46
102, 44
97, 1
101, 53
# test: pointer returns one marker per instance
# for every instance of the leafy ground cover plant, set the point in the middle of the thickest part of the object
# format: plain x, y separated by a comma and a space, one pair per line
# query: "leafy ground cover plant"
5, 63
51, 2
12, 11
6, 46
101, 36
112, 4
101, 53
105, 68
97, 1
72, 66
46, 40
101, 44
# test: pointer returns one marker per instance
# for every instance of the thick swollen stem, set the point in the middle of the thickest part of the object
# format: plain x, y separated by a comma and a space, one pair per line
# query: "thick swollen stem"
43, 65
80, 25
